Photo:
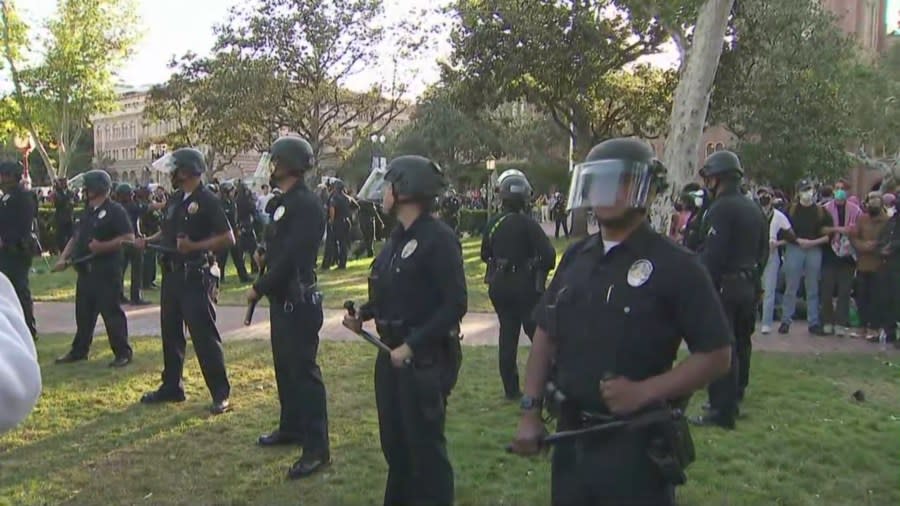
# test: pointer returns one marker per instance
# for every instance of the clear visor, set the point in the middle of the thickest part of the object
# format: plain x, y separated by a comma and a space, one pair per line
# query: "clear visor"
373, 189
264, 168
508, 173
166, 164
610, 183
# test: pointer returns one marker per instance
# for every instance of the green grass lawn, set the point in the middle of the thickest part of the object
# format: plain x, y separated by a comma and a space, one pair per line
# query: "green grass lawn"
337, 286
802, 440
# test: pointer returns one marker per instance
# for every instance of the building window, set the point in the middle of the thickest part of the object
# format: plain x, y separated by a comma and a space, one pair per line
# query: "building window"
719, 146
710, 148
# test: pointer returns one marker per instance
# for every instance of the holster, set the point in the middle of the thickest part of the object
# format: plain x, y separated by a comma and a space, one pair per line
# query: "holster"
671, 446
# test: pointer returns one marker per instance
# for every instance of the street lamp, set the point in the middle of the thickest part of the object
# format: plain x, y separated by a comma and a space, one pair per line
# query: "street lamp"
490, 164
25, 144
378, 161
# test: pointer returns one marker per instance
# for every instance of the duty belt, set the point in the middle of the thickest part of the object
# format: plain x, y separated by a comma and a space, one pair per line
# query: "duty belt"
392, 332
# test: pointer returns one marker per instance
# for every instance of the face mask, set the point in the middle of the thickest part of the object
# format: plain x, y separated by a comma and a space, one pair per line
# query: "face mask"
806, 196
840, 194
765, 200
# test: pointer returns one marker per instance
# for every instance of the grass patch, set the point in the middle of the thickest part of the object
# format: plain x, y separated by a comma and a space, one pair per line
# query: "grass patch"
337, 286
801, 442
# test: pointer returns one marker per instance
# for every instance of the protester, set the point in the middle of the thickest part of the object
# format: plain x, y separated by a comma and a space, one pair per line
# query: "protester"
871, 286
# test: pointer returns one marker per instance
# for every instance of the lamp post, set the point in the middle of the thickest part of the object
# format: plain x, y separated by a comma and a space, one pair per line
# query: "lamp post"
25, 144
490, 164
378, 160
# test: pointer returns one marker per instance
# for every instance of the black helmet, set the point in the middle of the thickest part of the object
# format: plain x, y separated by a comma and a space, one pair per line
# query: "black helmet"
97, 181
11, 168
415, 177
513, 185
190, 159
292, 152
721, 163
338, 185
226, 186
609, 167
124, 189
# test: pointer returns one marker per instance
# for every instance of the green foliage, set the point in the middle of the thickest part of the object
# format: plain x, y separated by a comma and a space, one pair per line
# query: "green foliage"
876, 104
299, 56
784, 87
559, 56
472, 221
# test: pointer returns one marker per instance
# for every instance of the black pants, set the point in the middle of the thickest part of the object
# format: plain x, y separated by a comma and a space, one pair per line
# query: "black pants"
367, 229
611, 470
329, 256
97, 294
341, 229
513, 297
237, 256
301, 391
136, 258
16, 266
188, 298
411, 414
738, 302
562, 221
871, 298
149, 267
63, 233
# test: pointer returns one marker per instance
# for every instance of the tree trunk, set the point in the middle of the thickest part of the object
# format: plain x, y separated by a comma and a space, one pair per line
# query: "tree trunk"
691, 103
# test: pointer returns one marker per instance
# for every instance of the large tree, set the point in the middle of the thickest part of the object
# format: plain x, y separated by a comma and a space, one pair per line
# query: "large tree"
214, 104
558, 55
305, 53
73, 79
785, 90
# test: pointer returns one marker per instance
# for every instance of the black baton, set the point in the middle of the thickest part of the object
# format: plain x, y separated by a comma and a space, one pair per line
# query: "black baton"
351, 310
251, 307
640, 421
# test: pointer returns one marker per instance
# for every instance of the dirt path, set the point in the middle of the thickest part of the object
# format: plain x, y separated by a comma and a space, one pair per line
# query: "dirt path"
479, 329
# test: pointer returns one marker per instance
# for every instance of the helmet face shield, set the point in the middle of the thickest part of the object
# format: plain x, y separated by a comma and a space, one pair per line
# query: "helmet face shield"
166, 164
373, 189
265, 168
611, 183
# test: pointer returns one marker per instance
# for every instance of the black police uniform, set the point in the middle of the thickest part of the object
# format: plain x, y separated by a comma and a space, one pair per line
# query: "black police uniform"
519, 257
292, 244
150, 223
189, 292
63, 213
368, 217
621, 313
735, 245
245, 207
450, 211
100, 279
418, 297
17, 213
341, 205
561, 217
236, 251
136, 210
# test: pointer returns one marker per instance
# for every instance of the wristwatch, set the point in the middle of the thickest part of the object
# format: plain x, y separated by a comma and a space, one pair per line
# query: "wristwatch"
528, 403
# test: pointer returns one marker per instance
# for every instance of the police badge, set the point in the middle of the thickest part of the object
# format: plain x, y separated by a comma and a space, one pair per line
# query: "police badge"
639, 272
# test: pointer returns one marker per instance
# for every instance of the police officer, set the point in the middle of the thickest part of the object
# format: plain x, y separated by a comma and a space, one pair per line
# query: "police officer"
450, 210
295, 307
735, 246
63, 212
194, 226
149, 226
135, 257
97, 255
227, 194
340, 210
369, 220
245, 207
417, 298
560, 214
17, 213
696, 201
519, 256
610, 324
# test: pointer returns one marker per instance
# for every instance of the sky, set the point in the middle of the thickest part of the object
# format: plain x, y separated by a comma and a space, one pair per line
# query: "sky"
173, 27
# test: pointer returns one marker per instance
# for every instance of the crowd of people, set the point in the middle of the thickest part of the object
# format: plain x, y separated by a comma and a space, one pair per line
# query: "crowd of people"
839, 251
